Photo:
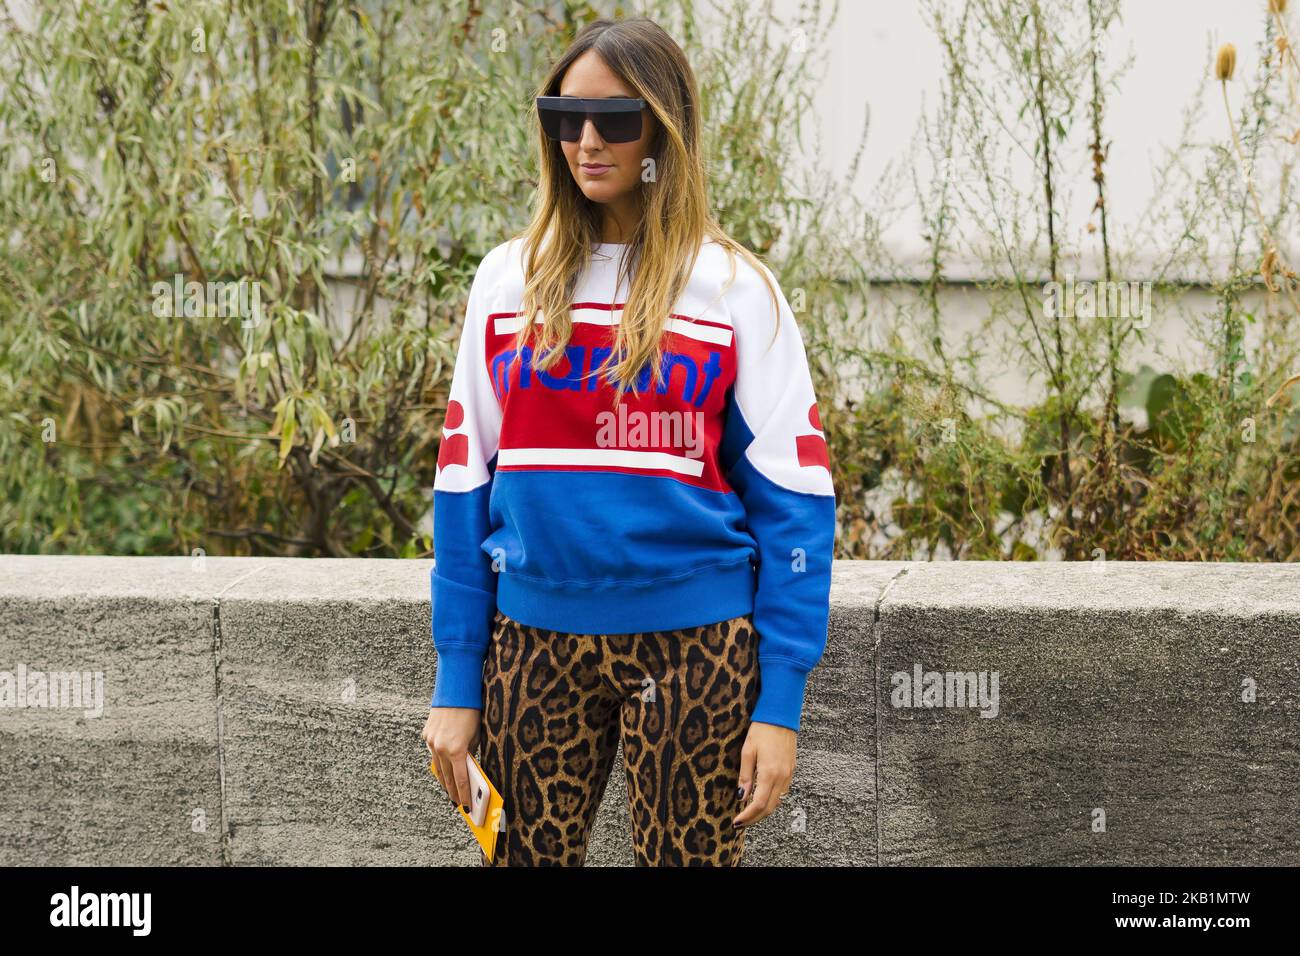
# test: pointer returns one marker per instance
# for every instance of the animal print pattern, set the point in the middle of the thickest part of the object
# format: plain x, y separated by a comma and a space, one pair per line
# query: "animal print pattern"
555, 706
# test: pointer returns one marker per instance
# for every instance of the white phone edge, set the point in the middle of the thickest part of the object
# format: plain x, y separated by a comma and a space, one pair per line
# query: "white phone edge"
481, 793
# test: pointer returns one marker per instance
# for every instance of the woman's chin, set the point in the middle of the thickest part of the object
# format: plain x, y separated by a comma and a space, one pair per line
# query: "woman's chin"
598, 192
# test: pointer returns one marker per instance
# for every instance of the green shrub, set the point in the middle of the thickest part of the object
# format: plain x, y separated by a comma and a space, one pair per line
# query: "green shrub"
353, 162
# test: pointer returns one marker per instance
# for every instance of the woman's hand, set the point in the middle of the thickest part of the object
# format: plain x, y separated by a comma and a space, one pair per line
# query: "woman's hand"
451, 734
766, 769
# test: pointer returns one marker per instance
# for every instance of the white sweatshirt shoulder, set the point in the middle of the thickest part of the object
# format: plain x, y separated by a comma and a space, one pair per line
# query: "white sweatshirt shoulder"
774, 390
472, 427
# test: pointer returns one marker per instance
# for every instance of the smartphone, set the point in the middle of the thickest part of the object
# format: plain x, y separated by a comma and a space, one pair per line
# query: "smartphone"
480, 794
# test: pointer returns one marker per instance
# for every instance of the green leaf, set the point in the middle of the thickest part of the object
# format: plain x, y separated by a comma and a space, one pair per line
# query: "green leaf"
287, 432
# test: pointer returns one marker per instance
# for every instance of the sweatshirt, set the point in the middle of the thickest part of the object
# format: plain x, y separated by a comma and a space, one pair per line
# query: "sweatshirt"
703, 499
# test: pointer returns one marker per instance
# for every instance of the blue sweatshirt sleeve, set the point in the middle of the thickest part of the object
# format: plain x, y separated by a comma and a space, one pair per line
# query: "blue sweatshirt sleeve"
778, 463
463, 581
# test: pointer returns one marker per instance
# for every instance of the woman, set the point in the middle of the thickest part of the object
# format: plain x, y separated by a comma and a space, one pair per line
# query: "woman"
633, 510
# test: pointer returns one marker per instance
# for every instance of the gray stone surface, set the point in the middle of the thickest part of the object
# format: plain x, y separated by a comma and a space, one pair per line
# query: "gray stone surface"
1120, 692
327, 669
285, 697
139, 784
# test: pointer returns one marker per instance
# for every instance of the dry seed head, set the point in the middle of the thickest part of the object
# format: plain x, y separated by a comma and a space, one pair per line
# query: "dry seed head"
1276, 396
1268, 268
1226, 62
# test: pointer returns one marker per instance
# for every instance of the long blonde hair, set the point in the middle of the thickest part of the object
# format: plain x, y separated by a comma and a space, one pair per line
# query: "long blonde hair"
675, 216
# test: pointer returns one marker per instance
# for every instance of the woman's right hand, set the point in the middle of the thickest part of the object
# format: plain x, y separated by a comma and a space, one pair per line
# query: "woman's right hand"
451, 734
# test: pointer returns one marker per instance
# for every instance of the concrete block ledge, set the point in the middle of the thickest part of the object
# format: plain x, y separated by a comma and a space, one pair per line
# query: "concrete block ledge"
266, 711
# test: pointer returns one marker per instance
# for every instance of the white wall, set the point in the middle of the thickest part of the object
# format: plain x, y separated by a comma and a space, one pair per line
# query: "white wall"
884, 55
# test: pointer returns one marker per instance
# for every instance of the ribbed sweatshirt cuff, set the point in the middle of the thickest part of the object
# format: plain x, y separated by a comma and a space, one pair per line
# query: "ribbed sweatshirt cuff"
459, 678
780, 698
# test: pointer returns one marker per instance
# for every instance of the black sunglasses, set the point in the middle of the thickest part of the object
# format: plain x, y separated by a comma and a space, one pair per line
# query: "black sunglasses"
617, 119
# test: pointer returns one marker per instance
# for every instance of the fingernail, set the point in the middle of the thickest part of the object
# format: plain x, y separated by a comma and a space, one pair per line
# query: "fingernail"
740, 792
465, 808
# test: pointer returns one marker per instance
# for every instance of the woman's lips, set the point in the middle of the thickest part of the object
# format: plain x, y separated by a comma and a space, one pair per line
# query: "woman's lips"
595, 169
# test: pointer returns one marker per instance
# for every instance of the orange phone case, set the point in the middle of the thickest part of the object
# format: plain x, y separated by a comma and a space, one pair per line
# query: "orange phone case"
493, 823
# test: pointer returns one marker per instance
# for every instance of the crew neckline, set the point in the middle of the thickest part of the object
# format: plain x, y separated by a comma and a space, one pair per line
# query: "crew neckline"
604, 247
609, 252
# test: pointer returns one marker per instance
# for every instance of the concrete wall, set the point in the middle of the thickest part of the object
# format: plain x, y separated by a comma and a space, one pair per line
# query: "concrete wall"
268, 710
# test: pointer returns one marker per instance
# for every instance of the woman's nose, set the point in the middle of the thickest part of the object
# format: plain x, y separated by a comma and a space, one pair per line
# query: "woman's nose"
590, 137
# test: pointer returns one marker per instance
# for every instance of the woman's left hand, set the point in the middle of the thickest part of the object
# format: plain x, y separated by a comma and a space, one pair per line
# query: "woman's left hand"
766, 769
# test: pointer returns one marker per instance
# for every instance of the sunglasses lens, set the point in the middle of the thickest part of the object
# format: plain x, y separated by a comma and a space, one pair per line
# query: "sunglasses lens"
566, 125
619, 127
571, 126
562, 125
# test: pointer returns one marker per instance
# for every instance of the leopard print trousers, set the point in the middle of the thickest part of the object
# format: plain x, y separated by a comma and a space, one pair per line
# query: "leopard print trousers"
555, 706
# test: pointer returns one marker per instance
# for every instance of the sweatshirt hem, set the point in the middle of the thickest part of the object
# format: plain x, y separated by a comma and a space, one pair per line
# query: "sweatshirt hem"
711, 594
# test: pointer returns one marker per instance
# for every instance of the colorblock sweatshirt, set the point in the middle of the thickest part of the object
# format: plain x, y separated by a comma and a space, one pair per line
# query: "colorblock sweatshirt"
705, 498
